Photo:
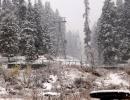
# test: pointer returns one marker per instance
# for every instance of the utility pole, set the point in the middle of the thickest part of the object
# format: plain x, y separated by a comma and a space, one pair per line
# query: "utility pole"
61, 43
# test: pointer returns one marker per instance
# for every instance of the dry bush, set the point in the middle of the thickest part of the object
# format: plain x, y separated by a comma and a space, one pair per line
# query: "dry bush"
28, 71
127, 71
91, 70
84, 95
35, 94
27, 74
96, 73
79, 82
11, 73
15, 71
87, 69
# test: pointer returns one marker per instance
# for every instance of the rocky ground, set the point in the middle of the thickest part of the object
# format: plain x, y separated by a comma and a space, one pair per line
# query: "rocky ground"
59, 82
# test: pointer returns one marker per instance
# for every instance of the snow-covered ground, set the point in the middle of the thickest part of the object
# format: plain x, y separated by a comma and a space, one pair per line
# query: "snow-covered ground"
113, 80
43, 59
69, 61
3, 91
48, 85
12, 99
71, 78
51, 94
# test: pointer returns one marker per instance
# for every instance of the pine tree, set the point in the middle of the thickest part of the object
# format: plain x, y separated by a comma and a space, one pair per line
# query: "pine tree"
49, 27
0, 4
94, 43
40, 45
86, 24
30, 13
88, 48
126, 20
9, 31
106, 35
15, 3
28, 35
6, 5
119, 31
21, 12
119, 3
9, 39
27, 42
53, 32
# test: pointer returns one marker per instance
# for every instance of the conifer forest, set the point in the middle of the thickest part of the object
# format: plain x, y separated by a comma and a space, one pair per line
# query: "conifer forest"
64, 49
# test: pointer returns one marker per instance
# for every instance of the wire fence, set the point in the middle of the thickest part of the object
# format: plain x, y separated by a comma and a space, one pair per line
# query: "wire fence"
66, 62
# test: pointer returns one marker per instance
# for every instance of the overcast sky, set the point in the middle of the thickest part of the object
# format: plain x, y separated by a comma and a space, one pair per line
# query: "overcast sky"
73, 11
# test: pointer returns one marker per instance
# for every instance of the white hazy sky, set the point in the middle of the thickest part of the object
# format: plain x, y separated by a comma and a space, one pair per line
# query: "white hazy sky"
73, 11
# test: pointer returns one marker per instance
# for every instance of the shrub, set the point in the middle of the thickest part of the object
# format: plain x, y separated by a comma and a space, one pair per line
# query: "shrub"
80, 83
27, 74
15, 71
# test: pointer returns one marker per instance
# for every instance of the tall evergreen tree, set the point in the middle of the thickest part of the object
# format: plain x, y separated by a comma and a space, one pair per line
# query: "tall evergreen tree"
39, 42
27, 42
28, 34
49, 28
30, 13
126, 20
9, 40
6, 4
119, 3
106, 35
88, 48
21, 12
119, 30
0, 4
86, 24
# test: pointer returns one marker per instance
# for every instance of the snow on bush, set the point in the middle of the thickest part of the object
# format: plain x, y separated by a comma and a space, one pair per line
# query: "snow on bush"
71, 75
53, 78
49, 85
3, 91
112, 81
